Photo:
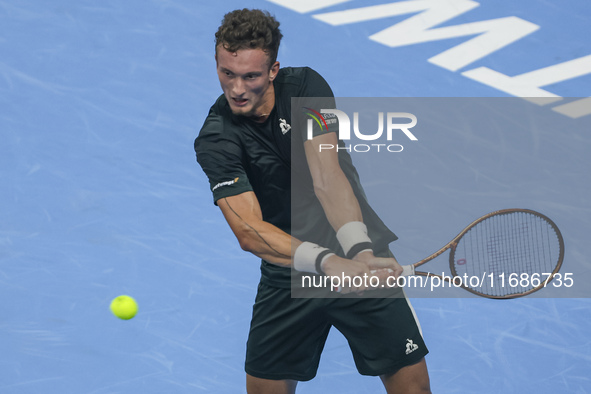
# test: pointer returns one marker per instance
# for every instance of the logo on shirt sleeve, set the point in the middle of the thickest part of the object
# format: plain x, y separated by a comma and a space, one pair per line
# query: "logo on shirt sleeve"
226, 183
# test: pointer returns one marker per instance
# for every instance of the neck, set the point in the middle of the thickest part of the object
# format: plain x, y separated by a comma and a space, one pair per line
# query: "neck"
262, 113
260, 118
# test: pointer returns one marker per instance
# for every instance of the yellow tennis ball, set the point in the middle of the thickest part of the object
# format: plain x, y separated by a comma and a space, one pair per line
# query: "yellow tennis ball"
124, 307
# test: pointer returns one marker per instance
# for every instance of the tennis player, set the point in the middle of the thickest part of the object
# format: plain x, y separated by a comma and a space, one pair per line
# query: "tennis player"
245, 149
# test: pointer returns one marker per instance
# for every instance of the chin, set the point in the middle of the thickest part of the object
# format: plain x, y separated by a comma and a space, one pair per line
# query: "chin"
241, 111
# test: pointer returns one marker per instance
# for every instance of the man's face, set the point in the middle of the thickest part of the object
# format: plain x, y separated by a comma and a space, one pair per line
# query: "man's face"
247, 80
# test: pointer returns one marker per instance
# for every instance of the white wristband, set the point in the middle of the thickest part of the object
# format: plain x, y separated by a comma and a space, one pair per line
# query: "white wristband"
353, 238
308, 257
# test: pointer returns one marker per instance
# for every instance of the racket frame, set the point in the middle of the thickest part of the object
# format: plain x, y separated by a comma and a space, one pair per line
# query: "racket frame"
411, 269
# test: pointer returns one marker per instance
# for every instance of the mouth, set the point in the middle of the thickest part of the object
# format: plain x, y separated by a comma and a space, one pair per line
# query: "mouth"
239, 102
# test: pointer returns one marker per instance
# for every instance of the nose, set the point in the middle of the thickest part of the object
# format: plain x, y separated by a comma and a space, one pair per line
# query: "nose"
238, 87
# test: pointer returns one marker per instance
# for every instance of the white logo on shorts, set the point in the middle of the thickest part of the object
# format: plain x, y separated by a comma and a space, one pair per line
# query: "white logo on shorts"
411, 346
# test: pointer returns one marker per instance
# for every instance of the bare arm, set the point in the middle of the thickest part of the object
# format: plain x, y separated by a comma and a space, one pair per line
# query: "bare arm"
336, 194
330, 183
243, 214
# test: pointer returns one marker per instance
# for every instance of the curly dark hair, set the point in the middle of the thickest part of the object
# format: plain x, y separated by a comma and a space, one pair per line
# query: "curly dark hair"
249, 29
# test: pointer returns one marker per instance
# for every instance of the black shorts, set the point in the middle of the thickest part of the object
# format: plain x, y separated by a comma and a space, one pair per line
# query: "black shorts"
287, 335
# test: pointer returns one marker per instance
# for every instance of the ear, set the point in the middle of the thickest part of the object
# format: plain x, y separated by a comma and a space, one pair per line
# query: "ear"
274, 71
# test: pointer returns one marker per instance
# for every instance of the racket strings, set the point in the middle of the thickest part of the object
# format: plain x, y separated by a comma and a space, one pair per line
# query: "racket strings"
507, 253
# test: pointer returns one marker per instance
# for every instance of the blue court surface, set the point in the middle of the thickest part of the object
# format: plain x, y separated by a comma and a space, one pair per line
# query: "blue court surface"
100, 102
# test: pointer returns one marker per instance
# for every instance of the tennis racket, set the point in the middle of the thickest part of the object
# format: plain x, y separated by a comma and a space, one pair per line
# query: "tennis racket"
512, 252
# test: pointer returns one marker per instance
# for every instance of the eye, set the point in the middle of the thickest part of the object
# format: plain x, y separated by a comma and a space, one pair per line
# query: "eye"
226, 73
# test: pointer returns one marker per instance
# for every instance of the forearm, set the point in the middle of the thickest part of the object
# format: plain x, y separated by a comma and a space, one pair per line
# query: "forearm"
342, 207
338, 200
277, 247
269, 243
256, 236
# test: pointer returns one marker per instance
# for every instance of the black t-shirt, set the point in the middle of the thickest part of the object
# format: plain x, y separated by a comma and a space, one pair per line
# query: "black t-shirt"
240, 155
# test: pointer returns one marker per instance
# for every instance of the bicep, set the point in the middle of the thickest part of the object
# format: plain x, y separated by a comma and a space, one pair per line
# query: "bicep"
331, 185
322, 161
